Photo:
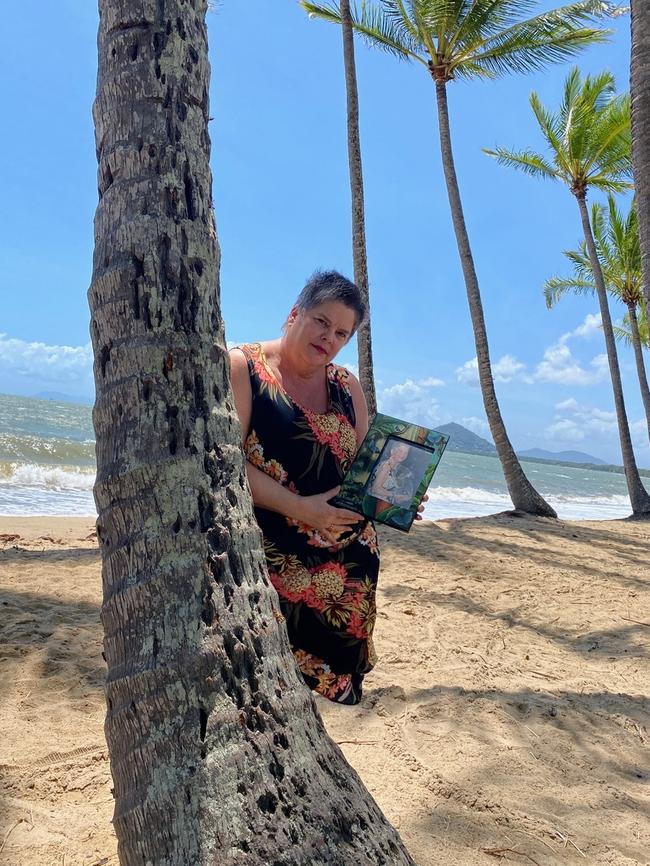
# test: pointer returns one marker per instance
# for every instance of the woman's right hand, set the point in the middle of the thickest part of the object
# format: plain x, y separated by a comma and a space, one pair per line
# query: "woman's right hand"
330, 522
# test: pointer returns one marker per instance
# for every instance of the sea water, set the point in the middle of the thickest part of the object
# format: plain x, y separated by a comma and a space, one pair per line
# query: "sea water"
47, 466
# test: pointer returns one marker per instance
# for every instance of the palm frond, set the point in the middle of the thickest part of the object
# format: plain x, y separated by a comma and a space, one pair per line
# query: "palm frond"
483, 19
550, 37
556, 287
525, 160
611, 138
384, 31
551, 130
622, 334
581, 262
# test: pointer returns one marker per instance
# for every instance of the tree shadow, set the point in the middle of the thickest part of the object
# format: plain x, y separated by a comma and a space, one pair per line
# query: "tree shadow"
462, 544
514, 541
582, 758
597, 643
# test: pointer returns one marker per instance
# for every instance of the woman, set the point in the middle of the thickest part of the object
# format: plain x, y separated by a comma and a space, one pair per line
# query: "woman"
302, 420
392, 481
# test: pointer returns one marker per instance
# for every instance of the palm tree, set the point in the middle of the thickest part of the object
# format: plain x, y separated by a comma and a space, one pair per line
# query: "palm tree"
454, 39
640, 124
589, 144
617, 243
359, 253
623, 332
216, 750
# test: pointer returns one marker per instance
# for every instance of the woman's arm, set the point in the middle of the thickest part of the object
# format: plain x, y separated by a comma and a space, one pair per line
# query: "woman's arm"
268, 493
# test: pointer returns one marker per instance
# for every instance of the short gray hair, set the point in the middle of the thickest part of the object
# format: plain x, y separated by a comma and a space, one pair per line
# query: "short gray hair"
324, 286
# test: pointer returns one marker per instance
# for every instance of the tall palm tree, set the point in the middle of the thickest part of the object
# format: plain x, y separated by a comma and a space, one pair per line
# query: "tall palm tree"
454, 39
617, 243
359, 252
640, 93
217, 753
589, 144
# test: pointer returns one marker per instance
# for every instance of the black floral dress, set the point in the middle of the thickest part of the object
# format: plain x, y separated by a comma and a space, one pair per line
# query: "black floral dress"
327, 592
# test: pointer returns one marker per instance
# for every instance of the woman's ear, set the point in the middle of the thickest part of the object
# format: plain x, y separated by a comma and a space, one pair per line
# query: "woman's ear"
292, 316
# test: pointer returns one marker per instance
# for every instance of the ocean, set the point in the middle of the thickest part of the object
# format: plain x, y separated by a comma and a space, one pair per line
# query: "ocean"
47, 467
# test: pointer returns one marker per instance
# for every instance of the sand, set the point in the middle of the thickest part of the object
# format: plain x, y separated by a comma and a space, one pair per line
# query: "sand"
507, 719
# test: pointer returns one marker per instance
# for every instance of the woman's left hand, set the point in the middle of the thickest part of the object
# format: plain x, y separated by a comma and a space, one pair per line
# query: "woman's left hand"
425, 498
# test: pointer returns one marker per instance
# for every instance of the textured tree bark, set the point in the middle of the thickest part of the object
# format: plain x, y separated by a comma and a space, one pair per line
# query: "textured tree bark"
217, 752
523, 494
640, 94
359, 252
638, 496
640, 363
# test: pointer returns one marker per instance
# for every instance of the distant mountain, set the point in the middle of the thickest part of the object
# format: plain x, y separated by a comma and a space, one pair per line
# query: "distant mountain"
564, 456
462, 439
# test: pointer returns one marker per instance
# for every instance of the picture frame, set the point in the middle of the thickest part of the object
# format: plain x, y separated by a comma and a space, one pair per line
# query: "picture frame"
392, 471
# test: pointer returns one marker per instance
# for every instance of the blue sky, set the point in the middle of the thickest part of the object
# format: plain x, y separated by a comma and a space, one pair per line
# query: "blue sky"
282, 203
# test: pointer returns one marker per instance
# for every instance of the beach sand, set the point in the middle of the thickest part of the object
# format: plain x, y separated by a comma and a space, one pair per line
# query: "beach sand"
507, 719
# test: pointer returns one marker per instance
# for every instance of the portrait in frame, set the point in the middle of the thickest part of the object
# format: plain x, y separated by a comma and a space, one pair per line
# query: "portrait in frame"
391, 472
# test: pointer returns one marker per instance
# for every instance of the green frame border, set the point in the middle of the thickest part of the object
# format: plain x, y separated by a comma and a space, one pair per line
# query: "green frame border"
352, 494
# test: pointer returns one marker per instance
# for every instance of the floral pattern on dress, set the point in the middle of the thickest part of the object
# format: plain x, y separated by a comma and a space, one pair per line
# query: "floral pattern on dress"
255, 454
328, 684
368, 537
326, 590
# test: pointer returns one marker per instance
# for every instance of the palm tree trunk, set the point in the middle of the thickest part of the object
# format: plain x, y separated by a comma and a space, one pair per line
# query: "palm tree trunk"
359, 253
640, 363
638, 496
216, 750
523, 494
640, 93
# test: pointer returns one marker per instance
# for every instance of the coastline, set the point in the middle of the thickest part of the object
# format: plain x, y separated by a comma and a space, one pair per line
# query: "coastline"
508, 709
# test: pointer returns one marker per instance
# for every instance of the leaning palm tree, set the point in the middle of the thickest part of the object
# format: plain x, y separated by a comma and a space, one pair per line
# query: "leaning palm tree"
640, 93
589, 144
454, 39
359, 252
623, 332
617, 244
216, 750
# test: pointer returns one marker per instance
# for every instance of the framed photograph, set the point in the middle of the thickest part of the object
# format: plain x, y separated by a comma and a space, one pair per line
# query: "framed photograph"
391, 472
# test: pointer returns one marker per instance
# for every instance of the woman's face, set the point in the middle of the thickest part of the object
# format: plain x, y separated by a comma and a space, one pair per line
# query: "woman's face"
320, 333
400, 452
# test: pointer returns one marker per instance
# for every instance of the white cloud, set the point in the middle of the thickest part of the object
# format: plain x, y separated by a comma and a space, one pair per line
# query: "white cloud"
49, 365
566, 431
411, 400
559, 366
567, 405
576, 422
431, 383
477, 425
592, 324
468, 373
506, 369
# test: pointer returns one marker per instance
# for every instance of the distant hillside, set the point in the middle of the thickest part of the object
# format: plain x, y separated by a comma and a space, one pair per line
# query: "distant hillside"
59, 397
564, 456
462, 439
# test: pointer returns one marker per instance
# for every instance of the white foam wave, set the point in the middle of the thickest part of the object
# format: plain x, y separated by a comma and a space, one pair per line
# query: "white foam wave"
49, 477
476, 502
